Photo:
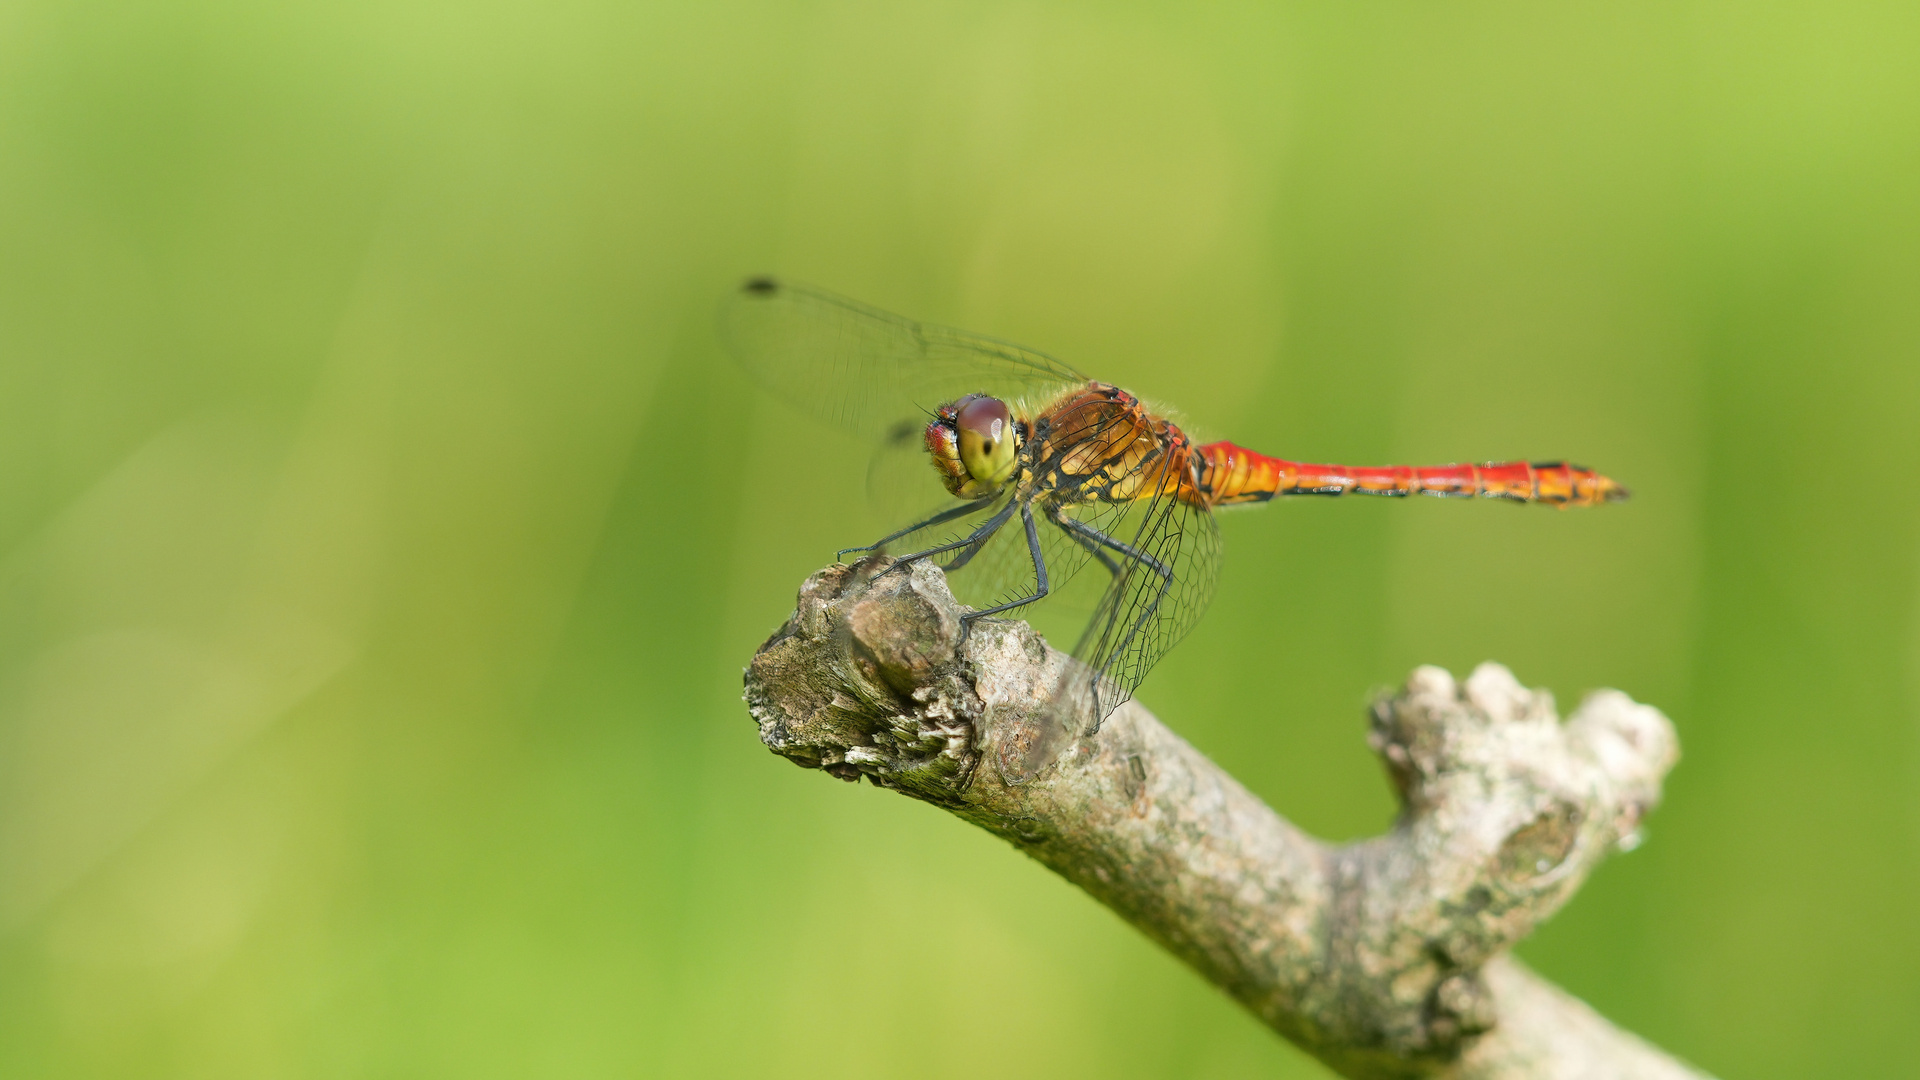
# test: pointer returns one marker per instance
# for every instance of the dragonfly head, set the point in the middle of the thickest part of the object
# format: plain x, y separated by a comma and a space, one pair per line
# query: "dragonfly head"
974, 442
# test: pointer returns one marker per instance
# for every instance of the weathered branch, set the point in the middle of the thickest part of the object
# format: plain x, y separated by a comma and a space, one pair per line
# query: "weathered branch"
1384, 958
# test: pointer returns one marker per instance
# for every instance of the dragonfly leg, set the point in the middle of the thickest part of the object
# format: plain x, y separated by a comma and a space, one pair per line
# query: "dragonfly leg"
1089, 535
1039, 571
943, 516
1081, 529
978, 536
1060, 519
974, 544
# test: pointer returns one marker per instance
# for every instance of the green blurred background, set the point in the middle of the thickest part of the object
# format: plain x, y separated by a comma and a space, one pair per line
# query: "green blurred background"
383, 531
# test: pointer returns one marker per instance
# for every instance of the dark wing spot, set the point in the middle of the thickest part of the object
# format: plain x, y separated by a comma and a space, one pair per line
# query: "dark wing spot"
760, 286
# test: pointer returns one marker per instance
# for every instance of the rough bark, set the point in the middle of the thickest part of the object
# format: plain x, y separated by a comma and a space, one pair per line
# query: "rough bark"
1385, 957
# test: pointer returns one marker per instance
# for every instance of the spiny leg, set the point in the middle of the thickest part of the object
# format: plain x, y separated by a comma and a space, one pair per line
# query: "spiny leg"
975, 544
1158, 567
1166, 585
979, 535
1059, 517
965, 556
1039, 570
1088, 534
943, 516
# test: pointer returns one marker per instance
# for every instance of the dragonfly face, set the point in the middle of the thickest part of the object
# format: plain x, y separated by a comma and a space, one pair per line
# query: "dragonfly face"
975, 444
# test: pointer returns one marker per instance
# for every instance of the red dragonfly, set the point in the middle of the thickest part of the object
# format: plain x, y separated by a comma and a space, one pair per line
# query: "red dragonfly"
1089, 473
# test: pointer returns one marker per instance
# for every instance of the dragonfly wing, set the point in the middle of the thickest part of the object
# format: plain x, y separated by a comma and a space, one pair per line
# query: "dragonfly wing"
868, 371
1000, 567
1163, 560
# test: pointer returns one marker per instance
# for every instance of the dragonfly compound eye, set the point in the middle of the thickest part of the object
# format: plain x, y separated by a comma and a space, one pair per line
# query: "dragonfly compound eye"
987, 441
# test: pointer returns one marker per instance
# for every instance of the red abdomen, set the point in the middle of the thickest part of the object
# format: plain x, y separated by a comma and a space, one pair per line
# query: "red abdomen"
1232, 474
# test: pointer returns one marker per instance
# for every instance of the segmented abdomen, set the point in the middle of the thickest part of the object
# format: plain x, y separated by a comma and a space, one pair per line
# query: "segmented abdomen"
1233, 474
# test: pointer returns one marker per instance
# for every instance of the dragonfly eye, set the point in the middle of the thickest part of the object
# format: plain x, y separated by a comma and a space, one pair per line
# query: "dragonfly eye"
987, 438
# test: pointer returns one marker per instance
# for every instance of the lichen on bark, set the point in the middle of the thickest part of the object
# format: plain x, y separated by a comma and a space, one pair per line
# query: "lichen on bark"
1385, 958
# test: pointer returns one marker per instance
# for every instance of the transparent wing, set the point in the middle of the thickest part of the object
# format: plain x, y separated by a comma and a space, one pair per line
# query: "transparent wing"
1161, 589
1162, 559
998, 568
867, 371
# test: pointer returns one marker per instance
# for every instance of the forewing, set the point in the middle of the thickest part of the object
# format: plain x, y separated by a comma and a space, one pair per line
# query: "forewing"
867, 371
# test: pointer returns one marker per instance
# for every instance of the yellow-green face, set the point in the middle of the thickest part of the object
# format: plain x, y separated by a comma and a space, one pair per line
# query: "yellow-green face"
984, 427
974, 443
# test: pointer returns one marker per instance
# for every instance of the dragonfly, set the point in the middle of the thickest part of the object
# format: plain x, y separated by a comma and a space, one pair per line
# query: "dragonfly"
1047, 471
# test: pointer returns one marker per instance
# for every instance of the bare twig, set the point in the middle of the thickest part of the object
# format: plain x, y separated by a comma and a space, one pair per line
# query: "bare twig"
1385, 958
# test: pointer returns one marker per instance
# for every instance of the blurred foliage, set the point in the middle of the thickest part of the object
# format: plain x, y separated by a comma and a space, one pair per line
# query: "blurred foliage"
384, 531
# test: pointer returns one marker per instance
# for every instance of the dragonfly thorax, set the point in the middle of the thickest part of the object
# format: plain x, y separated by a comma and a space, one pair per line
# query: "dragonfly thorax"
974, 442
